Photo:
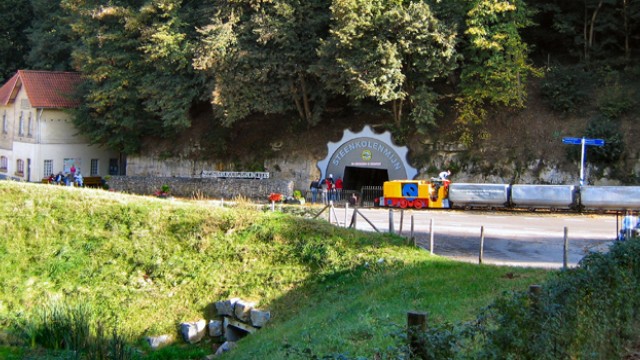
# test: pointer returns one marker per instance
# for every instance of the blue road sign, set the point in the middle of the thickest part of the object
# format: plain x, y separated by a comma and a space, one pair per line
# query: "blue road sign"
584, 142
572, 140
578, 141
594, 142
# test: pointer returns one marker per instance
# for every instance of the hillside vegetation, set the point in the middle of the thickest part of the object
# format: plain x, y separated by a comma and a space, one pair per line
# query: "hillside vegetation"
142, 265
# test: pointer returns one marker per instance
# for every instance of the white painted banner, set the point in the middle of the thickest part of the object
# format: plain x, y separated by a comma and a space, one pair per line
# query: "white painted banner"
236, 174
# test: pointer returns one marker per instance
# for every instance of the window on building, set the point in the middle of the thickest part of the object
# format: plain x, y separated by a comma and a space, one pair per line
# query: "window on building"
3, 163
21, 125
94, 167
5, 123
20, 167
48, 167
30, 127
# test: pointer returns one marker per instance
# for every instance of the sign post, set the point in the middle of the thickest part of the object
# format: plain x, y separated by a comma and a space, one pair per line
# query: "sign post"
583, 142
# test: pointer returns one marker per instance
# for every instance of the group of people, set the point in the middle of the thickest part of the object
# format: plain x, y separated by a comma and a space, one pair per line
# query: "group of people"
73, 177
329, 189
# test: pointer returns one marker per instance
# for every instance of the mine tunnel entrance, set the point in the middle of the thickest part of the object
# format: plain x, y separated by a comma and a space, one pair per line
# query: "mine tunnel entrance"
357, 177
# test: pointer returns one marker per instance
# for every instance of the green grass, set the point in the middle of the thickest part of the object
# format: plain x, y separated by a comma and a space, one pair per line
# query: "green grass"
144, 265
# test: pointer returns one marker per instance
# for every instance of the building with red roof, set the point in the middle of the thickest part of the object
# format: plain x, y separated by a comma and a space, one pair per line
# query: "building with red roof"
37, 135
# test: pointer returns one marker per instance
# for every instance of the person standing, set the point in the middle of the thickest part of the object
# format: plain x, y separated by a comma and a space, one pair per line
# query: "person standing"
339, 188
330, 187
315, 185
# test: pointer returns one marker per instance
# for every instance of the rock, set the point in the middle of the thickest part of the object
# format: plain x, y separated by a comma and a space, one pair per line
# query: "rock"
157, 342
225, 308
227, 346
215, 328
193, 332
243, 311
259, 318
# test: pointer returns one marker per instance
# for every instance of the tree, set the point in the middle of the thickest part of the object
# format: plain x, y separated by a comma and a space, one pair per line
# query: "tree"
260, 55
15, 15
51, 39
496, 63
391, 51
136, 60
591, 30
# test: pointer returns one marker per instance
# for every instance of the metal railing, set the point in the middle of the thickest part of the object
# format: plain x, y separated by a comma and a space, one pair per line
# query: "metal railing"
366, 196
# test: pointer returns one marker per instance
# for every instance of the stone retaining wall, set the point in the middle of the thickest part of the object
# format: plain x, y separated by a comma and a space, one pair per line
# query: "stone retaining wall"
256, 189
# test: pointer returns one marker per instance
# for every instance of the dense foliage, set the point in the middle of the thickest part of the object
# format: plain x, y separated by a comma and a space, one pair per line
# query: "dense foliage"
148, 64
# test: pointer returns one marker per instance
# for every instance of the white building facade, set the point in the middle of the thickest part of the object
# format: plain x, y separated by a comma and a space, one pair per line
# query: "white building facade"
38, 137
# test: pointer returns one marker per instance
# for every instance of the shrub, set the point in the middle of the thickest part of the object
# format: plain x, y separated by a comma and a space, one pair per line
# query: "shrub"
615, 100
564, 88
601, 128
589, 312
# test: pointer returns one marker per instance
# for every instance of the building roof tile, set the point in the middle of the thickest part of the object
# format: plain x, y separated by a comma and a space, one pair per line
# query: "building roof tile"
45, 89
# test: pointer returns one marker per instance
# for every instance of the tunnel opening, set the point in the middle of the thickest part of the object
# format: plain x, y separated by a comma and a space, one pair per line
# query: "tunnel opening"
356, 177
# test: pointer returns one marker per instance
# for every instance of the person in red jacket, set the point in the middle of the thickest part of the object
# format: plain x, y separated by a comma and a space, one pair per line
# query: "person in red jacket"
339, 188
330, 187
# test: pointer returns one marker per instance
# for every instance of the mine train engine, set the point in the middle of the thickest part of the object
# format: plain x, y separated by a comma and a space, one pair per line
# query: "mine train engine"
436, 193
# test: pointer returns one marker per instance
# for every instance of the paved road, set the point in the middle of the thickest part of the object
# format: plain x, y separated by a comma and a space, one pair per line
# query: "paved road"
522, 239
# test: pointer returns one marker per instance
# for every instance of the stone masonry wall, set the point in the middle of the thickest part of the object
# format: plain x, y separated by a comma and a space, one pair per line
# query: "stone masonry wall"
205, 187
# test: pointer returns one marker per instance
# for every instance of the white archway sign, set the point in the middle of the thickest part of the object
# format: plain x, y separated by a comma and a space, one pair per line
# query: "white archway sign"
366, 149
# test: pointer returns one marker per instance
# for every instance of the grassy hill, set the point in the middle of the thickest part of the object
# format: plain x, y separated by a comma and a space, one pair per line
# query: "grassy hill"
142, 265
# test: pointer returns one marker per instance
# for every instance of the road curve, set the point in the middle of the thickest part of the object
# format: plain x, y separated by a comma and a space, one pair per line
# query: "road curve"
510, 238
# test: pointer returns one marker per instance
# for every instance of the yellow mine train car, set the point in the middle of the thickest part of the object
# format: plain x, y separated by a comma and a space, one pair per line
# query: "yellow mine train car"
416, 194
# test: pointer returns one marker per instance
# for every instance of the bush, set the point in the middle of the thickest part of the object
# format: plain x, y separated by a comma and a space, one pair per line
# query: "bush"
609, 131
615, 100
564, 88
589, 312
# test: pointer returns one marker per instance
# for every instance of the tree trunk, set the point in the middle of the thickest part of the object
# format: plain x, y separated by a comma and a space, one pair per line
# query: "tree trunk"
296, 99
625, 14
584, 33
396, 106
305, 100
592, 26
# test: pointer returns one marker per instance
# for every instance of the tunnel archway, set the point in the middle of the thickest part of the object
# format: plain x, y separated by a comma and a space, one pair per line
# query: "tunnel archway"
366, 159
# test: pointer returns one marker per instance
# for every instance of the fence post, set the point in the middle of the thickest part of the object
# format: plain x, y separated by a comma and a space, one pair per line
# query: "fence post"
401, 221
346, 210
411, 236
391, 230
329, 212
565, 257
416, 328
431, 236
481, 244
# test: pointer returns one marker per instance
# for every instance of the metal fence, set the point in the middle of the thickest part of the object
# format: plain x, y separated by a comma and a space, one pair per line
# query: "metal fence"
366, 196
369, 194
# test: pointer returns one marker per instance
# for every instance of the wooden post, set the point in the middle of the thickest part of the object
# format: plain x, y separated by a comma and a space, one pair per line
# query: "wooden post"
346, 210
391, 230
411, 236
401, 221
368, 221
329, 212
416, 328
565, 257
481, 244
431, 236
